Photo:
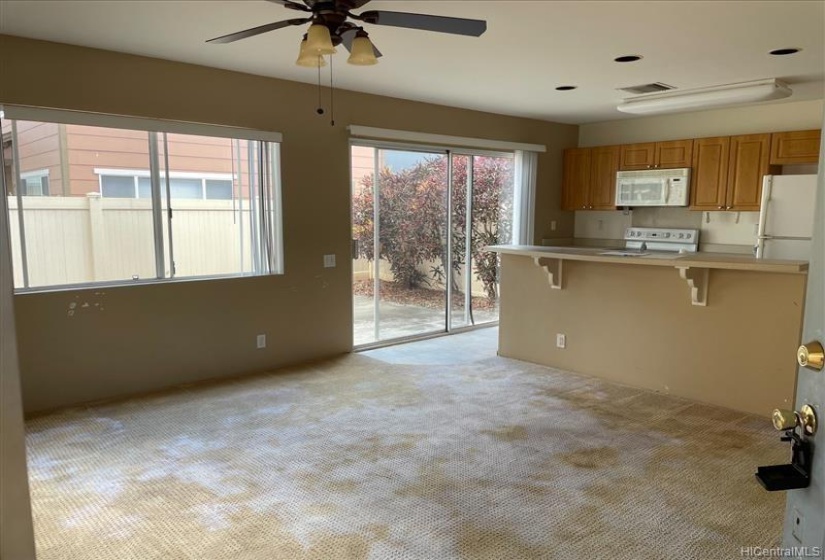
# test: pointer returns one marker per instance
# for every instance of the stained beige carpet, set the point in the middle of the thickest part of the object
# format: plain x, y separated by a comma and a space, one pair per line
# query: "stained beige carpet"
357, 459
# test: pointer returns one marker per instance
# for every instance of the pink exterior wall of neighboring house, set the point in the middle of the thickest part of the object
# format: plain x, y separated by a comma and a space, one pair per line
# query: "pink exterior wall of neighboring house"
85, 148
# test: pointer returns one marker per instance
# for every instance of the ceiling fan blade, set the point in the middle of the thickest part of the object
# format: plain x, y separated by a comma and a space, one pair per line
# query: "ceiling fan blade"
232, 37
291, 5
441, 24
357, 4
347, 37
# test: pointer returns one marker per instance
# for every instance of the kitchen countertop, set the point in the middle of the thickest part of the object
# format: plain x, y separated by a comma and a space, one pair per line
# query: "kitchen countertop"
724, 261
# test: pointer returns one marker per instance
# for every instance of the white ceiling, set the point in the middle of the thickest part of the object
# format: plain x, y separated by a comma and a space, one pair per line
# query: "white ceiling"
528, 50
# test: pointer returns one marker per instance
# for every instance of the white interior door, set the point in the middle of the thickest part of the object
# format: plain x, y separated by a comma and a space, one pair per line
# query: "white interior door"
805, 511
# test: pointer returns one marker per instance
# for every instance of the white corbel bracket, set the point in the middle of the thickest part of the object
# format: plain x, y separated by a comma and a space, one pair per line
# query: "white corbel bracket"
697, 280
553, 268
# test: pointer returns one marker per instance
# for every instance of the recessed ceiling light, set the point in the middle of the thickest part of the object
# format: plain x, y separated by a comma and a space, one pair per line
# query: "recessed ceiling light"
628, 58
782, 52
566, 88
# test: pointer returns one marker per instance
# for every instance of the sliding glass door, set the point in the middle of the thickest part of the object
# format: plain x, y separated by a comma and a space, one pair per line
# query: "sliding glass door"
482, 215
421, 220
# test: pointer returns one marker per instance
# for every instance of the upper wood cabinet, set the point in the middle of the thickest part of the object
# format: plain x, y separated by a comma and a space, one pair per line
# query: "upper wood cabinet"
576, 179
801, 146
674, 154
638, 156
727, 172
651, 155
589, 179
749, 161
605, 163
709, 176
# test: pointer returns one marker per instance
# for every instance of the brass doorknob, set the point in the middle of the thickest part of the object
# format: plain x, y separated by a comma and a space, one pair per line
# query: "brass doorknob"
788, 419
784, 419
811, 356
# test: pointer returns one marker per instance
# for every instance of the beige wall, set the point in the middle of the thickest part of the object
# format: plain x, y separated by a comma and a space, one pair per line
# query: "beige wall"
635, 325
772, 117
16, 537
154, 336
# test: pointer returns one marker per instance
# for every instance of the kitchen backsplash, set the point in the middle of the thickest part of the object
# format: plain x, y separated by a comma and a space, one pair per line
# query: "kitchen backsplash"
728, 232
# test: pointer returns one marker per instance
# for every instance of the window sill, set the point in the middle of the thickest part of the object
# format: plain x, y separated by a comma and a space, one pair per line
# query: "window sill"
130, 283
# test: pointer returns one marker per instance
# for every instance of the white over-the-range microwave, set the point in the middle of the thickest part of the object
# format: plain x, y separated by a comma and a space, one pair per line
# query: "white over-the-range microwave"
653, 187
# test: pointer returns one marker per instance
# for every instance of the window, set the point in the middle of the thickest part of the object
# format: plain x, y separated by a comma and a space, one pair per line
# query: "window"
136, 184
35, 183
158, 202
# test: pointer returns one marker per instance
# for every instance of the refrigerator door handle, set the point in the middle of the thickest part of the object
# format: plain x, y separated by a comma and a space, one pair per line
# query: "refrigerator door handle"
767, 183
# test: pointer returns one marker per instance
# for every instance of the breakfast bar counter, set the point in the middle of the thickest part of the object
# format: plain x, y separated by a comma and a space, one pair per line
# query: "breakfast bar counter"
716, 328
728, 261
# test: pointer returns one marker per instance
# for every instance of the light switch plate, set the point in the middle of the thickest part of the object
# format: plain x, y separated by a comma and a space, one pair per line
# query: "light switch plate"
329, 261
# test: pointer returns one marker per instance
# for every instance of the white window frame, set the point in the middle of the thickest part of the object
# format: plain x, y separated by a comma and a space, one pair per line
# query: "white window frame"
37, 174
268, 192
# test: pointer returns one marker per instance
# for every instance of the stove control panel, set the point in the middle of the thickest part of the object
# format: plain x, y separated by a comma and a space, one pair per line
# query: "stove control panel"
662, 239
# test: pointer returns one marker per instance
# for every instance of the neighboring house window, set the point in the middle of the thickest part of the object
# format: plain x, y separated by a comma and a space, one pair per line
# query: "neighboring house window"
35, 183
220, 215
136, 184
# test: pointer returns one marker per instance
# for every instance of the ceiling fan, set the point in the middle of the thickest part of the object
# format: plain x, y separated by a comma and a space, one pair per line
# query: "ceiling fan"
333, 24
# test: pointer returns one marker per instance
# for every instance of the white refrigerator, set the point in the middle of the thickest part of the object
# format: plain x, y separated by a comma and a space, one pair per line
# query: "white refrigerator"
786, 217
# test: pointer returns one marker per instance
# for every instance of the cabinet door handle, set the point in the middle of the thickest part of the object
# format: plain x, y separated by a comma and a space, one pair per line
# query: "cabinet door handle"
721, 208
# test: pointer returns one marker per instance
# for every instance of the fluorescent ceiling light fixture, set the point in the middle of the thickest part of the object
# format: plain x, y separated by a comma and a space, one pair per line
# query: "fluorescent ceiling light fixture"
702, 98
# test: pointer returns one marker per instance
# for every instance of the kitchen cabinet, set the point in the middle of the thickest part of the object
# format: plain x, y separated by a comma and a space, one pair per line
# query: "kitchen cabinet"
709, 176
589, 179
749, 161
656, 155
800, 146
727, 172
576, 179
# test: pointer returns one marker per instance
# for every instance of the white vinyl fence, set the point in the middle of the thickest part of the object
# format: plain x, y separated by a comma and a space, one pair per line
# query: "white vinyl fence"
71, 240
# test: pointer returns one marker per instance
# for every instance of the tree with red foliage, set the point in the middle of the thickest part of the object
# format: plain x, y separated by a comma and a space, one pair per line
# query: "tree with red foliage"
413, 225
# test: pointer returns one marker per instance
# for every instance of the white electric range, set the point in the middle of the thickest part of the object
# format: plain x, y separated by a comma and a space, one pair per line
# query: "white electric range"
641, 241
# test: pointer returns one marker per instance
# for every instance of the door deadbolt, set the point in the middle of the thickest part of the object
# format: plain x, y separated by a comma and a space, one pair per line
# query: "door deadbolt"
811, 356
788, 419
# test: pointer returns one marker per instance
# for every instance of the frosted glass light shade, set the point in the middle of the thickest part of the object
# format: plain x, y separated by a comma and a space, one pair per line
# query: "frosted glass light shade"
309, 59
706, 98
319, 40
363, 53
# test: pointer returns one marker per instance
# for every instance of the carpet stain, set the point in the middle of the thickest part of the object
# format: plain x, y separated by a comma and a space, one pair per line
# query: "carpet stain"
508, 433
595, 458
476, 543
341, 547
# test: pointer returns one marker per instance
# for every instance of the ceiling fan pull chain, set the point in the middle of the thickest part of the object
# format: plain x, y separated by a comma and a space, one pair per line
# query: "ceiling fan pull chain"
320, 109
331, 96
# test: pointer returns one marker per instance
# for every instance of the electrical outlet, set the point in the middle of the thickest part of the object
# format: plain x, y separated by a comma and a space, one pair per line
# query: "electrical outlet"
561, 341
796, 529
329, 261
261, 341
553, 225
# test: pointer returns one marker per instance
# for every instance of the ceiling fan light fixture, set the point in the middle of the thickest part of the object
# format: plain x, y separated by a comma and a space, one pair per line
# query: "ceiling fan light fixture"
363, 51
309, 59
319, 41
